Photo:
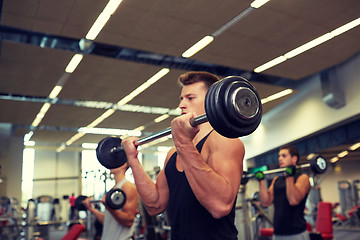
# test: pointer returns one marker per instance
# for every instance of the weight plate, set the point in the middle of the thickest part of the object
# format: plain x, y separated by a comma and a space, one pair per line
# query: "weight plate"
318, 164
79, 203
115, 198
223, 115
106, 157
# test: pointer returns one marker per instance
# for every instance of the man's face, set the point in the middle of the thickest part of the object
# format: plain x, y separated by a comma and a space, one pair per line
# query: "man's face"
285, 159
192, 98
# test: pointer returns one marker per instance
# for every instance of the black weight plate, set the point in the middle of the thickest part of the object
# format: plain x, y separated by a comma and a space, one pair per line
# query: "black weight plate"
115, 198
79, 203
106, 157
245, 120
214, 112
318, 164
230, 127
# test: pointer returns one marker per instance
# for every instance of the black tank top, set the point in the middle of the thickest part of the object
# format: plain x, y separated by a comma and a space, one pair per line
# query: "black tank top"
288, 219
188, 218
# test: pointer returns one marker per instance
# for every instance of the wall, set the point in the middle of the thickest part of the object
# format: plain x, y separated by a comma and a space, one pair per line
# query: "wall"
306, 112
11, 162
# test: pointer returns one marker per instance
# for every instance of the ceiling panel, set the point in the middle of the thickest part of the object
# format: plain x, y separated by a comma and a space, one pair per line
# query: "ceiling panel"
159, 27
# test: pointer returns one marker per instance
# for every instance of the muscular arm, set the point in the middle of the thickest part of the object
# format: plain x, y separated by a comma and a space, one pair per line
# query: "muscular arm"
296, 191
266, 195
215, 176
126, 215
154, 195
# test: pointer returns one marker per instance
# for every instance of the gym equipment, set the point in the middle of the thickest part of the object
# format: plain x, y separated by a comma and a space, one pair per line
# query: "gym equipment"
115, 199
317, 165
232, 106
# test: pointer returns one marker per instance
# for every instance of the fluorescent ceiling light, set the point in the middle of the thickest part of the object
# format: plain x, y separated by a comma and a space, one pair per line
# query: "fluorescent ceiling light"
55, 92
311, 155
309, 45
354, 146
74, 138
74, 62
198, 46
258, 3
89, 145
109, 131
161, 118
29, 143
28, 136
343, 154
112, 6
270, 64
334, 159
139, 128
59, 149
45, 108
144, 86
276, 96
102, 19
346, 27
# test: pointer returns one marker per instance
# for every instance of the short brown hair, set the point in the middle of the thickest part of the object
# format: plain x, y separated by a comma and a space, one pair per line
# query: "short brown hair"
193, 77
293, 151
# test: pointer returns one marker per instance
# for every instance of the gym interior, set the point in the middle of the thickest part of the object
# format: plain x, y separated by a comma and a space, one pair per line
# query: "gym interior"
67, 82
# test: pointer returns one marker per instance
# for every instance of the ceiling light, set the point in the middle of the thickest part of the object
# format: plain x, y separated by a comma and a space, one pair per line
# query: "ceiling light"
144, 86
36, 122
161, 118
343, 154
270, 64
44, 108
139, 128
102, 19
112, 6
61, 148
198, 46
89, 145
74, 138
28, 136
276, 96
309, 45
346, 27
334, 159
74, 62
109, 131
55, 92
258, 3
310, 156
354, 146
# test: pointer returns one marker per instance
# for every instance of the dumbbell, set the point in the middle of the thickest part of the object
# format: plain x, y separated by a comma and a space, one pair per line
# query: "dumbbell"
317, 164
115, 199
232, 106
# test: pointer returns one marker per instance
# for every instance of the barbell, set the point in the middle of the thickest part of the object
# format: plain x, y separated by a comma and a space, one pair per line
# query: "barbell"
317, 164
114, 199
232, 107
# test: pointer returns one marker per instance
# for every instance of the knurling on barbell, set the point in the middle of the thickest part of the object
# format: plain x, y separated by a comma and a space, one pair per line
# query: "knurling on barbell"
232, 107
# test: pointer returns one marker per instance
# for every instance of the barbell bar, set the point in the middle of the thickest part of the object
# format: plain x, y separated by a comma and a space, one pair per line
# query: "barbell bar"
115, 199
317, 164
232, 107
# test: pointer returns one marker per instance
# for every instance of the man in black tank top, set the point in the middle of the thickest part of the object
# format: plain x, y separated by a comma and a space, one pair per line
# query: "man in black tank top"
201, 176
288, 193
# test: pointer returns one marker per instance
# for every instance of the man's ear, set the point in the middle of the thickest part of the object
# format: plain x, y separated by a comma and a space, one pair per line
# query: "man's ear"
294, 160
